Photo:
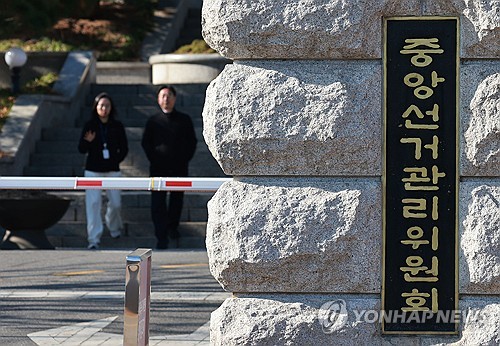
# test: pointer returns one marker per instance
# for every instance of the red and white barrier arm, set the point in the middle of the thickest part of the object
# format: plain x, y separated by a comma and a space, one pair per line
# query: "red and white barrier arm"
123, 183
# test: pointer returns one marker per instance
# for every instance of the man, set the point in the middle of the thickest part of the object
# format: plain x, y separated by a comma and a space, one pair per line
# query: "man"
169, 142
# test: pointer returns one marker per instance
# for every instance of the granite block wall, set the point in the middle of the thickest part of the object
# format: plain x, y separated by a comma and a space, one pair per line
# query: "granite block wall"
297, 121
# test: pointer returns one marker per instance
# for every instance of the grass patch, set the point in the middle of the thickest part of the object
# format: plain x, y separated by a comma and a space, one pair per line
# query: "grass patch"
43, 44
195, 47
6, 103
40, 85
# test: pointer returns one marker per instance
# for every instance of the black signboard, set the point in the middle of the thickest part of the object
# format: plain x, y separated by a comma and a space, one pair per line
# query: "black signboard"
420, 275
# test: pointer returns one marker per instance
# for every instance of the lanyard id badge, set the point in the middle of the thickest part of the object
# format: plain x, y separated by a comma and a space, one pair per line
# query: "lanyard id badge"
105, 152
104, 135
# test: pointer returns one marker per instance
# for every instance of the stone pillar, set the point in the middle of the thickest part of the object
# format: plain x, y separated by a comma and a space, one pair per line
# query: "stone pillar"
297, 120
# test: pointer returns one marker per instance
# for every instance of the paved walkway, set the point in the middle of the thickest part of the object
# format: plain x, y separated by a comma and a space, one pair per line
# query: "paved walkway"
75, 297
62, 294
90, 333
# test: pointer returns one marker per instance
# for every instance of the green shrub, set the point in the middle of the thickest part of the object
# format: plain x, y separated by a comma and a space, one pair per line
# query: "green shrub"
195, 47
43, 44
41, 85
6, 103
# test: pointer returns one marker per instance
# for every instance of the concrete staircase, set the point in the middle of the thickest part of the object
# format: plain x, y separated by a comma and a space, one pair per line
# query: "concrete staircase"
57, 155
128, 83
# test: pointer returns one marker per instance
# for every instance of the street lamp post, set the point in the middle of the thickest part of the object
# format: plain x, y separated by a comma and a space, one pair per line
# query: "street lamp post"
15, 59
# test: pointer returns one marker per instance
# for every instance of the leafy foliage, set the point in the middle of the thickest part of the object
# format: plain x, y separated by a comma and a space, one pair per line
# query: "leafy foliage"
41, 85
195, 47
113, 29
6, 103
44, 44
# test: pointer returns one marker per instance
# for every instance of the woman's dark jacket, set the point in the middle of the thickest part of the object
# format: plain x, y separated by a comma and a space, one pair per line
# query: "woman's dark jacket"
113, 133
169, 142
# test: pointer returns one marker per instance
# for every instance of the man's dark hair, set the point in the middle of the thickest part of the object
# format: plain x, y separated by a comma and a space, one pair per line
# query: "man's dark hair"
167, 86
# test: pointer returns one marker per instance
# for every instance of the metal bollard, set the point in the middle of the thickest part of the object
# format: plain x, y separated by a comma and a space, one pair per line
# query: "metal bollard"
137, 298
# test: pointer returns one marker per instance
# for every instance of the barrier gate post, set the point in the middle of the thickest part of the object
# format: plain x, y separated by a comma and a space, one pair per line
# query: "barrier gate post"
137, 298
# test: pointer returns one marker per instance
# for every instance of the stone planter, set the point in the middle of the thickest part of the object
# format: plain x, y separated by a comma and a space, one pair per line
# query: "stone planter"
26, 216
186, 68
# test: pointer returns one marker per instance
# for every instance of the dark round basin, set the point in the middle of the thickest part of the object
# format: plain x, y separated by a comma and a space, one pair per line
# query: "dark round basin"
26, 218
16, 214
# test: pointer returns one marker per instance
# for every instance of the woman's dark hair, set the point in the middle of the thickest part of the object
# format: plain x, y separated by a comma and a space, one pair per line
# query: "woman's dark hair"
112, 113
167, 86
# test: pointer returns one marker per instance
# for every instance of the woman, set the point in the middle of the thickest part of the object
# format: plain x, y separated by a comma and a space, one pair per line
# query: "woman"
104, 141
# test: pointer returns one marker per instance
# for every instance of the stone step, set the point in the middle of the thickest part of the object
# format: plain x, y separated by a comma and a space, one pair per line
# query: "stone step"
112, 72
125, 100
195, 170
204, 169
57, 155
60, 143
136, 215
137, 119
138, 231
135, 157
49, 150
141, 112
127, 171
137, 199
124, 91
57, 147
130, 243
136, 235
189, 214
134, 100
72, 134
55, 171
63, 159
131, 229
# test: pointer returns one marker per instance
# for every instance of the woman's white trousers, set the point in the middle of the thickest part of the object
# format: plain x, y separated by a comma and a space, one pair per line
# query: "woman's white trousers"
93, 205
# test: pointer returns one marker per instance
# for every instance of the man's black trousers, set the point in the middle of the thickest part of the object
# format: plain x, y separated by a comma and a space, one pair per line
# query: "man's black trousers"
166, 217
